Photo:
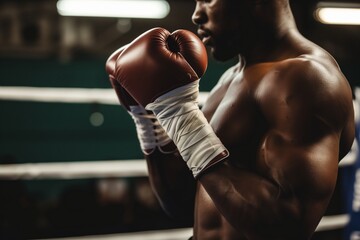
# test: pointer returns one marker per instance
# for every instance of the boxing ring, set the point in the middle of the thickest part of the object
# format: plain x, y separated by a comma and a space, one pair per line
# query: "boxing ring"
117, 168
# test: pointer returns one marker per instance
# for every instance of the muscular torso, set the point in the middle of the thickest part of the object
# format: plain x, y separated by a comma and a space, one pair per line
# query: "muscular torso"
239, 109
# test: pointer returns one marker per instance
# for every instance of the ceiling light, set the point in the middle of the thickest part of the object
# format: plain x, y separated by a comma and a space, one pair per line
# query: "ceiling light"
114, 8
338, 13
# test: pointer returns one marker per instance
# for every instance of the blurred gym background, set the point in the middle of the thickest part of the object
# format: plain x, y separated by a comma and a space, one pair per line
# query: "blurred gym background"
70, 162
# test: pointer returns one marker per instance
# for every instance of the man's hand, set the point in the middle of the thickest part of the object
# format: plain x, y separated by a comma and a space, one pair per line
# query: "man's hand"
149, 131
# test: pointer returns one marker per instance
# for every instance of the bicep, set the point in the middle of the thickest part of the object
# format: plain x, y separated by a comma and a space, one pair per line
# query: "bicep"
303, 136
307, 169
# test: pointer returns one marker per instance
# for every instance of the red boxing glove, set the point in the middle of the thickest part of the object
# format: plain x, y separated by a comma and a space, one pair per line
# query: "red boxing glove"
161, 71
149, 131
159, 61
125, 99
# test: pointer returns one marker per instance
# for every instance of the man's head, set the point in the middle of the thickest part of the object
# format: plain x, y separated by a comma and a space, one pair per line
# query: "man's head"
232, 27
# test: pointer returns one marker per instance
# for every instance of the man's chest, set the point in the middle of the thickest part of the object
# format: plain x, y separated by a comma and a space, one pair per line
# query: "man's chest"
235, 117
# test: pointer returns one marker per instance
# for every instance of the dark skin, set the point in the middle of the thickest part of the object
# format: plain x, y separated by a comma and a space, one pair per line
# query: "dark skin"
285, 114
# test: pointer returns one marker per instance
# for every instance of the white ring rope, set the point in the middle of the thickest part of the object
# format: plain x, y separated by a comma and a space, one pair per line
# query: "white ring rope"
59, 95
169, 234
105, 96
97, 169
74, 170
85, 95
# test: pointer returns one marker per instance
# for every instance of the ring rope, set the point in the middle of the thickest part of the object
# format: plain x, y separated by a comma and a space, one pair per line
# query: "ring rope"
106, 96
98, 169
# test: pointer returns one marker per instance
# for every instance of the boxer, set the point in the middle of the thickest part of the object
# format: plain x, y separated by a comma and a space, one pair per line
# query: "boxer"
260, 159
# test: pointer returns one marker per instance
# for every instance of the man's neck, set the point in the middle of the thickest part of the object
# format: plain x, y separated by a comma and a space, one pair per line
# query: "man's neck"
271, 48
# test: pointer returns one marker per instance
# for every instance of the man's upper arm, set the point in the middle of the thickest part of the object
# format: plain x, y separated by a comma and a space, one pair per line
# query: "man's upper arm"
302, 143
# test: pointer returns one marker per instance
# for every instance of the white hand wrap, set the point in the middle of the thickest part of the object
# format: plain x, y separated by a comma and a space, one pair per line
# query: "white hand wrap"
149, 131
179, 114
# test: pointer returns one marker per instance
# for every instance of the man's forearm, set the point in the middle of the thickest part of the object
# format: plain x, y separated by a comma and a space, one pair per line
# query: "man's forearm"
172, 183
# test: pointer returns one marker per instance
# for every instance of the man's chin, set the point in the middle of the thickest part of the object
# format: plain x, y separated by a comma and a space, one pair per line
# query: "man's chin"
220, 55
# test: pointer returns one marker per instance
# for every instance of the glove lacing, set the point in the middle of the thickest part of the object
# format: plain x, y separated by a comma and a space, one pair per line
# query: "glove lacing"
149, 131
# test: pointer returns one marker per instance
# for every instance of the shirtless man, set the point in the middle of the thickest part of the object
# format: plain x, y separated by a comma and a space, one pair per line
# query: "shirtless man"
283, 115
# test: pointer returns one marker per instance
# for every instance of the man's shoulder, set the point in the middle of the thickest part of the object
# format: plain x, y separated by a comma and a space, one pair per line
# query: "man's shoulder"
309, 82
310, 67
308, 72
